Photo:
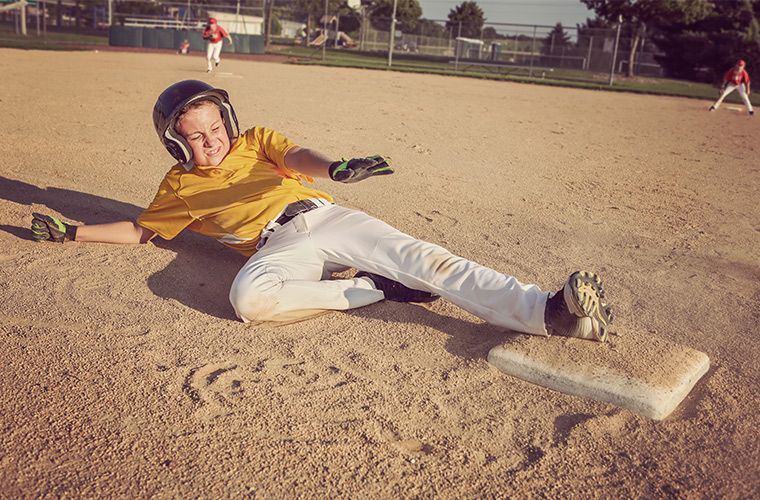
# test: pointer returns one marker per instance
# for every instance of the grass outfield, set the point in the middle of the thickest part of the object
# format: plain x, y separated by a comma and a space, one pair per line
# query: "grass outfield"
561, 77
51, 41
342, 58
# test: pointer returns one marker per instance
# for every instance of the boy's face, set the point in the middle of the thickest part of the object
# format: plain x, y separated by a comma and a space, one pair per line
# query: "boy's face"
203, 128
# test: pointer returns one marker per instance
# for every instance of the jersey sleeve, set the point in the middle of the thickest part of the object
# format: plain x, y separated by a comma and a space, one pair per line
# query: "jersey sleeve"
745, 76
729, 75
274, 147
167, 215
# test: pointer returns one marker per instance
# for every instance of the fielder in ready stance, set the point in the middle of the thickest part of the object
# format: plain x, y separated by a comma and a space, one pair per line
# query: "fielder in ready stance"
735, 78
246, 190
214, 35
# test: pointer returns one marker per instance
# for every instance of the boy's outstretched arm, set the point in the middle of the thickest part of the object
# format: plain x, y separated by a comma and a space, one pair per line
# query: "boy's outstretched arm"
47, 228
316, 164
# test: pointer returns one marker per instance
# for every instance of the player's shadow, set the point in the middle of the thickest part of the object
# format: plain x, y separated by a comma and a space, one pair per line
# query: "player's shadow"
466, 339
200, 274
202, 270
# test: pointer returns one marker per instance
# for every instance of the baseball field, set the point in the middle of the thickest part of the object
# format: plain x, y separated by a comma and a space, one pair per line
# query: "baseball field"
125, 373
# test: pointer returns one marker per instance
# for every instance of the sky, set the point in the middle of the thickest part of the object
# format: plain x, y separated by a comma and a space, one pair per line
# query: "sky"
548, 12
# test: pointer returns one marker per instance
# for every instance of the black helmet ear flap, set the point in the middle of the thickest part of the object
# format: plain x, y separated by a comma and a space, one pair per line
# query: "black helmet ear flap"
230, 119
178, 147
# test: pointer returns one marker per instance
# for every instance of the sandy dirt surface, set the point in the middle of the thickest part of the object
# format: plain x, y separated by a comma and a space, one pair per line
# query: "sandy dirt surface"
125, 373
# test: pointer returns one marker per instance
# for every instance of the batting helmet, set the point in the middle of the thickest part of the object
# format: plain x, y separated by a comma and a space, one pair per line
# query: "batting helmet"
170, 103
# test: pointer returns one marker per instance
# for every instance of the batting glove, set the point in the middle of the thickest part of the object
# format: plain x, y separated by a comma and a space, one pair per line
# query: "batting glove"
358, 169
47, 228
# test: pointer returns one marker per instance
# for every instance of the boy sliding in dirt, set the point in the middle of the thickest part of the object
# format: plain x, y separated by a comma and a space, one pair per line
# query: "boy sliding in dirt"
246, 189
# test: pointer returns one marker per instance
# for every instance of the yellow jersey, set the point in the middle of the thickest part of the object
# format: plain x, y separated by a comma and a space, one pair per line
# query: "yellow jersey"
233, 201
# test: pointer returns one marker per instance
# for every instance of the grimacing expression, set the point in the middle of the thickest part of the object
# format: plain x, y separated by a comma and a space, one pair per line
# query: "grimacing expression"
203, 129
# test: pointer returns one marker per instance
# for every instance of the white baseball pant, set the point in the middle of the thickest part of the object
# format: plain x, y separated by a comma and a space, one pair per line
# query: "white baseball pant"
742, 92
287, 278
213, 50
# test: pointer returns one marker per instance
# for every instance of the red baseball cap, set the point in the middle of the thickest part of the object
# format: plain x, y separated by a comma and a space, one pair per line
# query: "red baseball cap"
741, 62
212, 20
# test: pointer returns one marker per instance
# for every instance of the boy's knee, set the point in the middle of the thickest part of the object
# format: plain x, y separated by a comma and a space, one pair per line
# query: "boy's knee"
255, 298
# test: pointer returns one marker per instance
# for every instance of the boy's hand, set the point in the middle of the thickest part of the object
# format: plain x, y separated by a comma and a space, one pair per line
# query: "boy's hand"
47, 228
358, 169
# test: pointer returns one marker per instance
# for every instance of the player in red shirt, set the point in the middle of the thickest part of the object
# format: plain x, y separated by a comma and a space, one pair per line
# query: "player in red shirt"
214, 35
735, 78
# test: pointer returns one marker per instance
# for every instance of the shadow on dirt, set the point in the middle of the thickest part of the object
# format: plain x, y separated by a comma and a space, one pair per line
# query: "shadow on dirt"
202, 270
200, 274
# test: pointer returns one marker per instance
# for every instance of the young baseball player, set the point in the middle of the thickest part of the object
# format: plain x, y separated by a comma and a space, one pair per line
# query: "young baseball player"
247, 189
184, 47
214, 35
735, 78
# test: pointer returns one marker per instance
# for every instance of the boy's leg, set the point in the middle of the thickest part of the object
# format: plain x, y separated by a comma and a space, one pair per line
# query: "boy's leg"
218, 52
729, 88
209, 54
745, 98
355, 239
285, 280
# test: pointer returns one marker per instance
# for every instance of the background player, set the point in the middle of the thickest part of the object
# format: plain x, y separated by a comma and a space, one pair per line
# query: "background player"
214, 35
735, 78
246, 190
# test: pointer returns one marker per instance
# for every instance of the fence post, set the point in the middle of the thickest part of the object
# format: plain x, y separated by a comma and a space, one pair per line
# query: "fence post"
456, 47
362, 27
324, 31
615, 50
23, 17
588, 58
532, 50
393, 34
110, 12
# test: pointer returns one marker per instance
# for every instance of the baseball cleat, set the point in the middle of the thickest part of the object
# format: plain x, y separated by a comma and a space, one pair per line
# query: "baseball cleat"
580, 309
751, 113
395, 291
712, 108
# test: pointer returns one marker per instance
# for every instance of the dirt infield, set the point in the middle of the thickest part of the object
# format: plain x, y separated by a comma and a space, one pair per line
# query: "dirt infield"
125, 373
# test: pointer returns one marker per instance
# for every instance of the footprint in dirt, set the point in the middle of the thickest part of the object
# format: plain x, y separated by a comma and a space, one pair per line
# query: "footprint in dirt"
213, 388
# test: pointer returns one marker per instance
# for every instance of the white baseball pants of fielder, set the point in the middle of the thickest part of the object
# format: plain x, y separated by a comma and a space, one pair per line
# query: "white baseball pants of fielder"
213, 51
287, 278
742, 92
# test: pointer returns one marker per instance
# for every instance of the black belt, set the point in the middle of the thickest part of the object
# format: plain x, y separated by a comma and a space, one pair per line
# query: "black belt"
295, 208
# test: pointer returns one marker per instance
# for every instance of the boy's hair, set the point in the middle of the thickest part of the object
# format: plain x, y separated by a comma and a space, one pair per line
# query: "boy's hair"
193, 105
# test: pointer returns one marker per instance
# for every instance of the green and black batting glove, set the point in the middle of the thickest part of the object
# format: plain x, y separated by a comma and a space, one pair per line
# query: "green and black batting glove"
358, 169
47, 228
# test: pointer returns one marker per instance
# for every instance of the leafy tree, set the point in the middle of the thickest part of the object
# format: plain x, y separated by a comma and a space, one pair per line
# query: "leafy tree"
704, 48
426, 27
490, 33
557, 40
408, 13
315, 9
470, 15
640, 13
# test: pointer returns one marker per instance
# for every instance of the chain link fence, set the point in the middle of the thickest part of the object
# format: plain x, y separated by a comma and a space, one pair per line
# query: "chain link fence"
539, 51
